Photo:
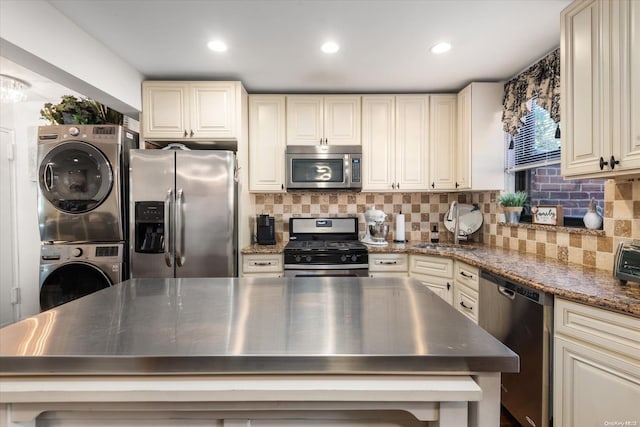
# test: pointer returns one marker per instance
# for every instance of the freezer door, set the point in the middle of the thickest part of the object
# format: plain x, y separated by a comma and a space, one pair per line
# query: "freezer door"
205, 212
152, 179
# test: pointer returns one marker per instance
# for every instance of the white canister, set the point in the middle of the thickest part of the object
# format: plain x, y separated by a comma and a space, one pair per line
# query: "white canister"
592, 219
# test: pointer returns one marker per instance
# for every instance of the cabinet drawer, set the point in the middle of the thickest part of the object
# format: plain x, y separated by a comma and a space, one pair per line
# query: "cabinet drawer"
388, 262
432, 266
467, 275
465, 300
262, 263
612, 331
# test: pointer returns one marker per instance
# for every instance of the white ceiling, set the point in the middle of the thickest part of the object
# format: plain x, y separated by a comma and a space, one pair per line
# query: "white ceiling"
274, 44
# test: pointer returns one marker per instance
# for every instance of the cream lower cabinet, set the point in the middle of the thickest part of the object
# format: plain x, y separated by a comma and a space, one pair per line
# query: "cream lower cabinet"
434, 272
600, 86
330, 119
395, 142
596, 366
267, 143
465, 289
262, 265
179, 110
388, 265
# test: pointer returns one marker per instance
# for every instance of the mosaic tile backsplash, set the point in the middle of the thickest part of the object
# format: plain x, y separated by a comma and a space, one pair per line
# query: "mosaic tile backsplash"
423, 210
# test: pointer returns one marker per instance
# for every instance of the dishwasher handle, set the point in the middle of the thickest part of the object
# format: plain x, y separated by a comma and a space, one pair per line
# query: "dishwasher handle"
508, 293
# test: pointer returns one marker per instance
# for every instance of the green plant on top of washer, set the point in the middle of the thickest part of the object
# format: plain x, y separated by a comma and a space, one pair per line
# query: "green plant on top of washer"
83, 111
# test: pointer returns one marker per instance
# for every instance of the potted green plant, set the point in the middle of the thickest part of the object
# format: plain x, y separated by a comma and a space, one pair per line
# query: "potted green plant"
512, 204
72, 110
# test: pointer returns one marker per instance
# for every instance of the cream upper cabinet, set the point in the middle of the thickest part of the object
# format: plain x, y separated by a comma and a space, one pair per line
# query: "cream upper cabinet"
395, 142
442, 142
480, 138
267, 142
316, 119
378, 142
600, 102
412, 142
190, 110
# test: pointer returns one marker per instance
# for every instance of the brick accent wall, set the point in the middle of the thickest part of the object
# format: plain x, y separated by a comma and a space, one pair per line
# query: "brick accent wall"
548, 188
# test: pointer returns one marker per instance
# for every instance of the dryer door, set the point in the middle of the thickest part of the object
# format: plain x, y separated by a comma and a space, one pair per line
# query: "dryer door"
75, 177
71, 281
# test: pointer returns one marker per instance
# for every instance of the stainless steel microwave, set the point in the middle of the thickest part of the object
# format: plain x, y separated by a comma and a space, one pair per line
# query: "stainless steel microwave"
324, 167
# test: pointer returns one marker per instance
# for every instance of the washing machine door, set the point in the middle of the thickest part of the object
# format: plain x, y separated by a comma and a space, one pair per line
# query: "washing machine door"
71, 281
75, 177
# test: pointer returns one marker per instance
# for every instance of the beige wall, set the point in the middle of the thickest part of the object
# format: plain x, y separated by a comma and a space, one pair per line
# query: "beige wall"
422, 210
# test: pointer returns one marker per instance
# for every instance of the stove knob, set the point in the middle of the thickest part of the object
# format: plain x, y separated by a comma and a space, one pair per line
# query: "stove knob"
354, 258
298, 259
343, 258
308, 258
76, 252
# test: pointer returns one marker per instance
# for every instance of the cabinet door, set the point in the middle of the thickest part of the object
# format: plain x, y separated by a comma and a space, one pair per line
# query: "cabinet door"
593, 386
213, 110
266, 142
441, 286
412, 136
442, 142
585, 45
378, 142
342, 120
305, 120
463, 140
165, 107
627, 13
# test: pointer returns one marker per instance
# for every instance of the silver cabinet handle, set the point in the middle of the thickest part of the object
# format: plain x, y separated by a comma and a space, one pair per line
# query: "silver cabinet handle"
181, 257
167, 229
48, 173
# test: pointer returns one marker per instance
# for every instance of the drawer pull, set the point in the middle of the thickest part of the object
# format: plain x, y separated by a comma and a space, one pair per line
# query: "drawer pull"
468, 307
468, 276
262, 263
387, 262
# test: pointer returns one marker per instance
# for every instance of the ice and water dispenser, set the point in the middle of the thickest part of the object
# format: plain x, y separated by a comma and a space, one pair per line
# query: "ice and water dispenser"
149, 227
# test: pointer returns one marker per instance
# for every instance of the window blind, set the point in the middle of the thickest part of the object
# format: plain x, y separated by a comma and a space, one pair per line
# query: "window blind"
535, 144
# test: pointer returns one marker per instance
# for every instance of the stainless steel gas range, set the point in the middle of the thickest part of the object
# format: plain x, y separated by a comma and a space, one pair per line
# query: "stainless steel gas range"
325, 247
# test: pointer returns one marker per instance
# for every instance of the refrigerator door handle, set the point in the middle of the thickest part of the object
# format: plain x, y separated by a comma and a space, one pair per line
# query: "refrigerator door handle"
180, 253
167, 228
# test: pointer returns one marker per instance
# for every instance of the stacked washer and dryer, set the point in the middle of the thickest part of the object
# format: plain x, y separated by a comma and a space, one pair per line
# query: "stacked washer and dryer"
82, 209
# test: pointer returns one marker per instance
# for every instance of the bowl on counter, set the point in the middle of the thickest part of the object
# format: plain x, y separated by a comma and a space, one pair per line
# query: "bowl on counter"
378, 232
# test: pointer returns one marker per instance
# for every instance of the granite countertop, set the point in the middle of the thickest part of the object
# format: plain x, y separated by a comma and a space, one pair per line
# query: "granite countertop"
574, 282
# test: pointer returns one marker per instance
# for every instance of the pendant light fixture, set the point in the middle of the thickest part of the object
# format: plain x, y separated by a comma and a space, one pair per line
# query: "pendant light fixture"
12, 89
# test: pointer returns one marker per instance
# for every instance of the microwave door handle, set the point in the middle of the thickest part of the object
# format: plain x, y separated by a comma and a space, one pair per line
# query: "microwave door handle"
167, 229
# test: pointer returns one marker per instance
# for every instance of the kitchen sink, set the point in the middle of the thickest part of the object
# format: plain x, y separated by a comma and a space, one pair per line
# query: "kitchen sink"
443, 246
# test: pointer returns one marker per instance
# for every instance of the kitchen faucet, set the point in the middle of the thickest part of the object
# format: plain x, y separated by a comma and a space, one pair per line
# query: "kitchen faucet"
455, 215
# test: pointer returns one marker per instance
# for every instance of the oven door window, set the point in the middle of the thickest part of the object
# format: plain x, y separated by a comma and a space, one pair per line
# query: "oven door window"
317, 170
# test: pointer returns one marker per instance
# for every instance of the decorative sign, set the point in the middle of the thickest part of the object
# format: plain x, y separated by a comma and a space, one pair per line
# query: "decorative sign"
547, 215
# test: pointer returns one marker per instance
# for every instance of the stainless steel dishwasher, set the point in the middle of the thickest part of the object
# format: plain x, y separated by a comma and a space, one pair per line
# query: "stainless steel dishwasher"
522, 319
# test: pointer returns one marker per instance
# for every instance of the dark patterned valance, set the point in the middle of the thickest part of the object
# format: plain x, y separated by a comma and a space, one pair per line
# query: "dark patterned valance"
541, 80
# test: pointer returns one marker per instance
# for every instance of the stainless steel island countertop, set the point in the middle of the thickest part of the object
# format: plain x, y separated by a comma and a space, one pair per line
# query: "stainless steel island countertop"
251, 326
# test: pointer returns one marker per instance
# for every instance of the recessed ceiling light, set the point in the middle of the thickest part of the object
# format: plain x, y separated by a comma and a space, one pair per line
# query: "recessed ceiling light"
217, 46
440, 48
330, 47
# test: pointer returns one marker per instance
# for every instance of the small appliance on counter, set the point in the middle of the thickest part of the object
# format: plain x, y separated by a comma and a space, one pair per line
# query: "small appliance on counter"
627, 262
266, 231
375, 229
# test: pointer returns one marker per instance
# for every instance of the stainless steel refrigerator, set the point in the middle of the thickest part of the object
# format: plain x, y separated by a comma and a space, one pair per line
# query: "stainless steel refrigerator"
183, 213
